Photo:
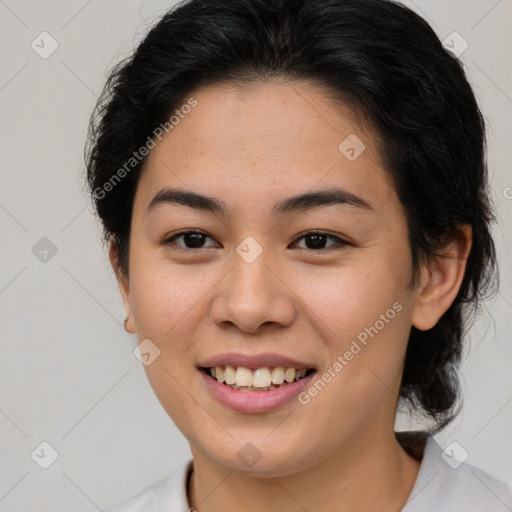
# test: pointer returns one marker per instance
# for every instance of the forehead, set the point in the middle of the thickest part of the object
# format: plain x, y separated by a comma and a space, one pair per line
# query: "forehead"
266, 140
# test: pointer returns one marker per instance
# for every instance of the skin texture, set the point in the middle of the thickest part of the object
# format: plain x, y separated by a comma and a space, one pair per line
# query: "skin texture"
252, 147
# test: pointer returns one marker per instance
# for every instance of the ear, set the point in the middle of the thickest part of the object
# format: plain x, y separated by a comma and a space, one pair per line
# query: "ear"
441, 279
122, 282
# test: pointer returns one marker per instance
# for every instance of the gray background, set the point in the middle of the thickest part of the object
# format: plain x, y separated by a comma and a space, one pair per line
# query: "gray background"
68, 375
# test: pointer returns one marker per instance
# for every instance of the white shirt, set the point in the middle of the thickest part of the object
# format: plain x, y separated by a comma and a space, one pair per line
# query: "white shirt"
439, 486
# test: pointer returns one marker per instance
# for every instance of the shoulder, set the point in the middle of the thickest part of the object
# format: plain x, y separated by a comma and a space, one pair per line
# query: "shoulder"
142, 501
167, 495
477, 489
446, 485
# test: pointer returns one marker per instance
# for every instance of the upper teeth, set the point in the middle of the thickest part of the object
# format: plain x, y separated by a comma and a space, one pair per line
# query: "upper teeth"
259, 378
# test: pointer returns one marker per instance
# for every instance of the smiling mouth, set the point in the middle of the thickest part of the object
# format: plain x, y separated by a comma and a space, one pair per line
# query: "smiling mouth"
260, 379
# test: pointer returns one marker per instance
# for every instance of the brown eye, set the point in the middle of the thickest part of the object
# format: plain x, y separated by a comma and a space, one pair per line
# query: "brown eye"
191, 239
316, 241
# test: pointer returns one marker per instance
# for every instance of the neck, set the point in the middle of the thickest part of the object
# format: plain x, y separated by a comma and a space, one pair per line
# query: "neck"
374, 469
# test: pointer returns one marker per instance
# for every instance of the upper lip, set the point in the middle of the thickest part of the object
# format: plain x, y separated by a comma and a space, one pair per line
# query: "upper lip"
254, 361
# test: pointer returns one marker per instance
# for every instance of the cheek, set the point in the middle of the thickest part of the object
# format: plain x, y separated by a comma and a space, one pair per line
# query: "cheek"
163, 296
164, 303
363, 318
351, 298
365, 336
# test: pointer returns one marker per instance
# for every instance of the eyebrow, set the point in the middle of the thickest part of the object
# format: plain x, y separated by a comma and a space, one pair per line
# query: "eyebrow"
295, 204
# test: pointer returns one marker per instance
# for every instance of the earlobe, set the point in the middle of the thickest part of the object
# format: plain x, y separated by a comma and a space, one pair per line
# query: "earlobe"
123, 284
441, 279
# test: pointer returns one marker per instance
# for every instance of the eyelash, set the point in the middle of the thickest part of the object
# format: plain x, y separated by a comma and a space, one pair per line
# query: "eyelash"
341, 243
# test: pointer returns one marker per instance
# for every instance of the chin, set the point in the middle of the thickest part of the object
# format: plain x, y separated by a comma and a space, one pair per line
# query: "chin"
260, 460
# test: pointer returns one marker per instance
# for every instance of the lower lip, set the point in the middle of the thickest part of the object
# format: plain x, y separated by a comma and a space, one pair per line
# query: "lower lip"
255, 401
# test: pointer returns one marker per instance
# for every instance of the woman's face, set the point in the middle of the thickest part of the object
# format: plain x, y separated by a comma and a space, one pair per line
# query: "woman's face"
257, 282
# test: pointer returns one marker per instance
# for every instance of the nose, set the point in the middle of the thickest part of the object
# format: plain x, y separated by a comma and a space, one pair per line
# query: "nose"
254, 296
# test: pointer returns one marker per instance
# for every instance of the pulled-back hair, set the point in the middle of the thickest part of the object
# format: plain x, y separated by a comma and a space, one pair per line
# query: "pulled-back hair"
376, 56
